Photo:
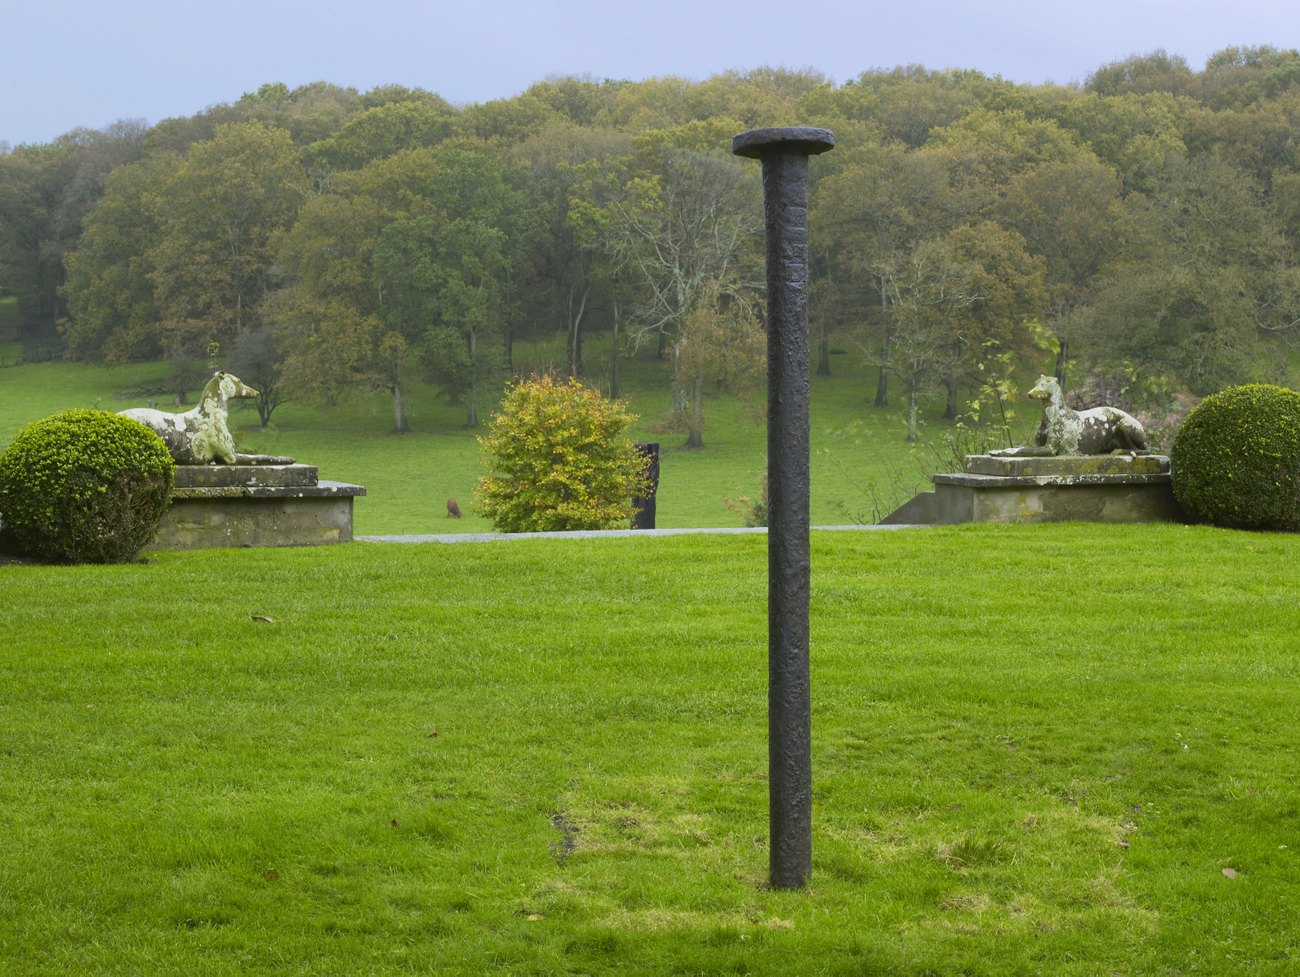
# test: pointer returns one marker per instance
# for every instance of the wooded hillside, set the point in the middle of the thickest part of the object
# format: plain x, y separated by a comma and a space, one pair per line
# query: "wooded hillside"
1140, 228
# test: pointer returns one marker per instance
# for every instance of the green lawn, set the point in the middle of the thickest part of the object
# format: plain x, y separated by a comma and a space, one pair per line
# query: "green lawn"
1037, 750
861, 466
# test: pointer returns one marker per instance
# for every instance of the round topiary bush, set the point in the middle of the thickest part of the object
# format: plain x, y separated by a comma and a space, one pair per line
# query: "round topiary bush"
84, 486
1236, 460
560, 459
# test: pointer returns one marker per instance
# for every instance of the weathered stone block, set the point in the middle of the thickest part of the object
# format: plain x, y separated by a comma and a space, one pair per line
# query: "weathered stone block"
1067, 466
255, 505
1093, 488
213, 476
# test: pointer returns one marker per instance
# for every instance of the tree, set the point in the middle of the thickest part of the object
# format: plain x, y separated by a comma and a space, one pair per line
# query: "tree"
113, 310
450, 274
560, 459
1002, 325
871, 214
307, 113
329, 311
450, 278
933, 291
415, 255
722, 343
383, 130
1133, 134
219, 214
986, 148
908, 102
1240, 76
570, 184
1141, 73
683, 220
1072, 215
45, 194
1196, 307
332, 307
257, 358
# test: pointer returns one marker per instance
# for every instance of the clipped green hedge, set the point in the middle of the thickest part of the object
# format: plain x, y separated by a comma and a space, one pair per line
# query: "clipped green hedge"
1236, 460
84, 486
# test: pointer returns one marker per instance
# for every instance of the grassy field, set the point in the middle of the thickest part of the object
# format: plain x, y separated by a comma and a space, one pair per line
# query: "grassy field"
860, 458
1064, 750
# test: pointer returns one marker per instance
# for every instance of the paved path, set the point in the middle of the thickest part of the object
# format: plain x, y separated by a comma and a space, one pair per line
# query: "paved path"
594, 534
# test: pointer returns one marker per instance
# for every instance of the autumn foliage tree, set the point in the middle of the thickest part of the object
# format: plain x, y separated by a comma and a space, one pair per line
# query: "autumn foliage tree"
560, 459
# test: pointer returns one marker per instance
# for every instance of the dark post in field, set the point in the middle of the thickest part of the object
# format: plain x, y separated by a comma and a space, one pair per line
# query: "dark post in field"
784, 153
644, 506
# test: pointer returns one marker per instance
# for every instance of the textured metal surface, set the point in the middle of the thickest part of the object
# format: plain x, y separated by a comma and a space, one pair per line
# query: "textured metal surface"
644, 517
784, 154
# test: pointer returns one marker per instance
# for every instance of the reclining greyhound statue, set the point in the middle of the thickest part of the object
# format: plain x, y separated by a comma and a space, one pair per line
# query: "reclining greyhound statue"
1063, 431
200, 436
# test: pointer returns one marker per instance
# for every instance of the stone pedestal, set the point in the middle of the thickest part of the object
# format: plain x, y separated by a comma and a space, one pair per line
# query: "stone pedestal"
1090, 488
255, 505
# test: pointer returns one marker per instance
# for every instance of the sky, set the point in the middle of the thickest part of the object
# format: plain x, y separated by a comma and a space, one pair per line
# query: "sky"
88, 63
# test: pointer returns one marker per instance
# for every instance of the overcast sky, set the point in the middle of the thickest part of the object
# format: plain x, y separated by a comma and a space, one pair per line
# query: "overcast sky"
71, 63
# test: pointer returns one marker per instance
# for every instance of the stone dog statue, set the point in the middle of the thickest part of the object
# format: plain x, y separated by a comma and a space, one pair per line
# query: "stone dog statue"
200, 436
1063, 431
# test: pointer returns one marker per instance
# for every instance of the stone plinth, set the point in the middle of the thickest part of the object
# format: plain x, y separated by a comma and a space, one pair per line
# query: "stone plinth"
1089, 488
255, 505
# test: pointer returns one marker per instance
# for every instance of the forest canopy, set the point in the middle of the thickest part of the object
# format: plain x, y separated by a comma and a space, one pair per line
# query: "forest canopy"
1140, 225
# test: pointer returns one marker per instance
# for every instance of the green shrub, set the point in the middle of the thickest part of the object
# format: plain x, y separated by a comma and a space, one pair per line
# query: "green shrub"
1236, 460
560, 460
84, 486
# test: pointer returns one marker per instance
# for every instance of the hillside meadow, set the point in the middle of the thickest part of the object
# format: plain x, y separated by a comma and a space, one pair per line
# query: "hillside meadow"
862, 465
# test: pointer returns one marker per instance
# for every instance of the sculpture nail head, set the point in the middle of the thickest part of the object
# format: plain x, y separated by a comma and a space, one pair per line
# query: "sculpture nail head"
791, 140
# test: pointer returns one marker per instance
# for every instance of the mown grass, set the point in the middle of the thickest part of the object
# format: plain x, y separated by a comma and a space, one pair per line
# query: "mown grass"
1036, 751
862, 466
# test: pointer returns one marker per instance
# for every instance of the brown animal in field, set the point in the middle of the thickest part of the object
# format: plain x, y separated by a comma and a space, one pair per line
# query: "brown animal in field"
453, 509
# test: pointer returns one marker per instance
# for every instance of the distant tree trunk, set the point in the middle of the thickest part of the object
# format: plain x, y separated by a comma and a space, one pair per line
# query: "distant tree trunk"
824, 356
400, 424
911, 406
575, 329
613, 370
950, 382
1062, 356
397, 387
823, 349
679, 386
471, 398
882, 387
882, 375
695, 416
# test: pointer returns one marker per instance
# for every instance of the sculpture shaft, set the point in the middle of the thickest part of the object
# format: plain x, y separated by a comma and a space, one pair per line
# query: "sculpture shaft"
784, 153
